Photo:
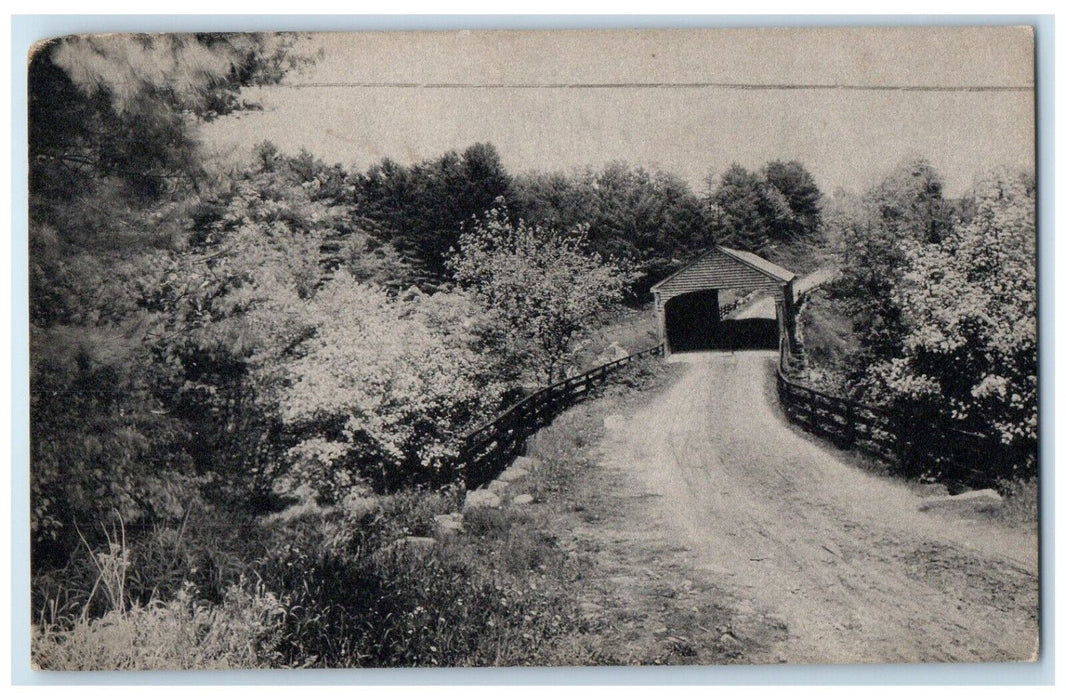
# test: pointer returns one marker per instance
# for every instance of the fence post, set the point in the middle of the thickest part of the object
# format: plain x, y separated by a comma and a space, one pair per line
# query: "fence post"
849, 423
902, 453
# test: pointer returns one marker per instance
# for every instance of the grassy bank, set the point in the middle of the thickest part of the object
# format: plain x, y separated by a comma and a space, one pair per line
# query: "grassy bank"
371, 581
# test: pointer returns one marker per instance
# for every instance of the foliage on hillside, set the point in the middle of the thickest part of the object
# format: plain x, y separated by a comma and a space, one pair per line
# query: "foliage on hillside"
541, 288
941, 297
969, 302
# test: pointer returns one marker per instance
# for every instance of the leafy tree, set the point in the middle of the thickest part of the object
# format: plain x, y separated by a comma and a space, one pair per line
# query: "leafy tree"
843, 217
907, 207
760, 211
748, 212
969, 301
421, 209
123, 107
113, 162
804, 198
378, 392
652, 220
910, 202
542, 288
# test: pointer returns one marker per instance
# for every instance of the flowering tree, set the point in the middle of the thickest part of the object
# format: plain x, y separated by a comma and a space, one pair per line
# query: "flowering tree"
542, 288
970, 312
377, 394
906, 208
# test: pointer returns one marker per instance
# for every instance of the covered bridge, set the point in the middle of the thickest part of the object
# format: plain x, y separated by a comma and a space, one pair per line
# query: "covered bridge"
689, 315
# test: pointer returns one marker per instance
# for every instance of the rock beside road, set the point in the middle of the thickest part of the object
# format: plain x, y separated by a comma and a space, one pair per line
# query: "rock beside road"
981, 501
612, 352
523, 464
448, 524
512, 473
614, 423
523, 500
482, 498
420, 544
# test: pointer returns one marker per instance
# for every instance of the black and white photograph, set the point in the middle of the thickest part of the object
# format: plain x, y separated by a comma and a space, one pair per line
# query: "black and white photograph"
533, 348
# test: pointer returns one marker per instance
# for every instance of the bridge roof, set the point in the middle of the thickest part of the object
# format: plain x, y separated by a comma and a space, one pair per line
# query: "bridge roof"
707, 274
761, 264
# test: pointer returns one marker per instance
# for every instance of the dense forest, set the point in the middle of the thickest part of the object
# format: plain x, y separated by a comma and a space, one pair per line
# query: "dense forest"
247, 380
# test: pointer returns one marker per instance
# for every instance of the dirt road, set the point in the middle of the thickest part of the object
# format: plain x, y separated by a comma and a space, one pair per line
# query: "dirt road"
842, 559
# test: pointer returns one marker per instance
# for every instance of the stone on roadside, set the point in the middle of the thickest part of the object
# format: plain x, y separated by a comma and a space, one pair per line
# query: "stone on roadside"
419, 544
522, 500
512, 473
497, 486
612, 352
614, 422
981, 501
448, 524
521, 467
526, 464
482, 498
407, 546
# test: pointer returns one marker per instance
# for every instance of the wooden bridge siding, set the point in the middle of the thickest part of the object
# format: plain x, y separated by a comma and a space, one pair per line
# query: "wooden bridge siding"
715, 271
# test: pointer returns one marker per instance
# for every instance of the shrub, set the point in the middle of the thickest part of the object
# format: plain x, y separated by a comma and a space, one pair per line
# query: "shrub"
357, 597
1021, 502
377, 393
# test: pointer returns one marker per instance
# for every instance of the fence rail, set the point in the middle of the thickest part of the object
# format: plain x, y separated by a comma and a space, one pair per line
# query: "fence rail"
915, 446
487, 448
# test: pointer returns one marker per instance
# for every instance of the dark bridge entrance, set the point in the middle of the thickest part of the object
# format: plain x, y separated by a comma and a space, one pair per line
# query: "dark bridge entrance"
693, 322
688, 306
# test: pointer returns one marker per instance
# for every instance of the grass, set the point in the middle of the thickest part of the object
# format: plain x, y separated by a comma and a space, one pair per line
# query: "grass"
182, 634
333, 590
632, 329
800, 257
1021, 504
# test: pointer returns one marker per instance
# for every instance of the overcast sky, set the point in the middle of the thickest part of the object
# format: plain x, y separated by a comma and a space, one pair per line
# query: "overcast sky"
542, 100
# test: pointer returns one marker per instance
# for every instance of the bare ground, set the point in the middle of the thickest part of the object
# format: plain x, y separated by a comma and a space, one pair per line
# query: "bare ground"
716, 532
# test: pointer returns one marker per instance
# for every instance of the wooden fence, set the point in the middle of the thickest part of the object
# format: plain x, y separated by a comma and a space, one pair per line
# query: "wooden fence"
916, 446
487, 449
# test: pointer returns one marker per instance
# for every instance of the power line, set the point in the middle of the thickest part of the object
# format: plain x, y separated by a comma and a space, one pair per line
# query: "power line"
660, 86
